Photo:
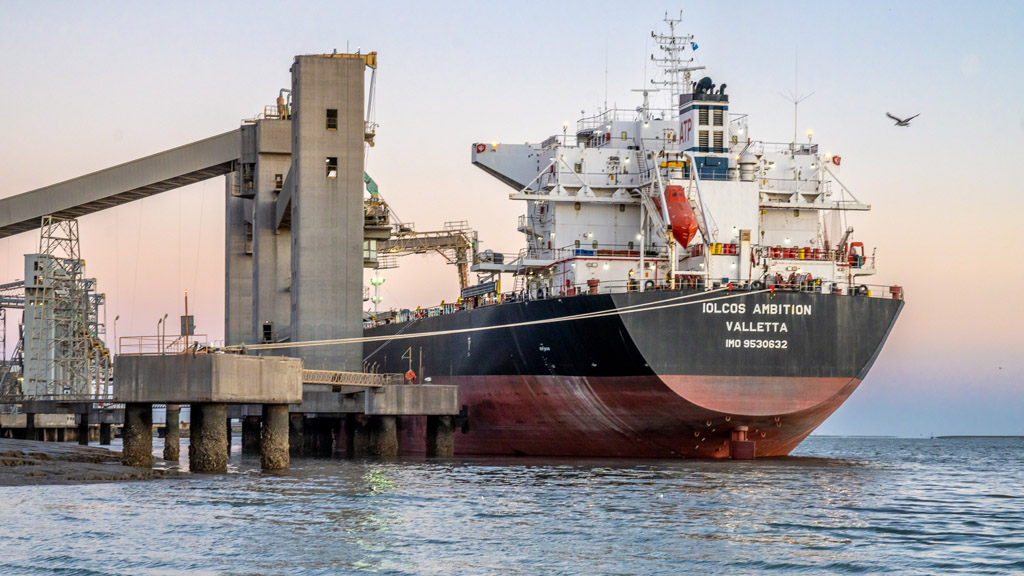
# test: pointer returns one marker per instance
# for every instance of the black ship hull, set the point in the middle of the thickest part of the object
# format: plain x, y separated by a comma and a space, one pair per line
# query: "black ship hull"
653, 374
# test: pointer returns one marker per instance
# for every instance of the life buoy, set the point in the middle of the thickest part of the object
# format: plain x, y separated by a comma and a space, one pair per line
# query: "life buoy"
648, 285
481, 148
837, 160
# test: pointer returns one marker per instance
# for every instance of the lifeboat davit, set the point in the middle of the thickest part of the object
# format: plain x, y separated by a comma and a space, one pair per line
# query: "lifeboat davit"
680, 215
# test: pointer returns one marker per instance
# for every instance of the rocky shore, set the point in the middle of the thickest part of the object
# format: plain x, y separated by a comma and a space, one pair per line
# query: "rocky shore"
26, 462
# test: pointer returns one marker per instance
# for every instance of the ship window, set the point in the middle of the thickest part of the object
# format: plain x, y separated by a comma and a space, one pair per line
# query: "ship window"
622, 207
278, 182
630, 245
332, 166
332, 119
577, 243
595, 244
578, 167
719, 139
623, 134
703, 117
577, 206
796, 213
719, 117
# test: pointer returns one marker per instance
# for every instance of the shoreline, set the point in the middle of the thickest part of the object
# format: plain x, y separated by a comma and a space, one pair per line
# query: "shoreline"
35, 463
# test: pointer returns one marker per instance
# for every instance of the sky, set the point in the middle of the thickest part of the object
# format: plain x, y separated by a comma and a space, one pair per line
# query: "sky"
91, 85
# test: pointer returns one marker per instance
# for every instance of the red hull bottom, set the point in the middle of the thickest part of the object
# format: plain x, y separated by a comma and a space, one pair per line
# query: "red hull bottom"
638, 417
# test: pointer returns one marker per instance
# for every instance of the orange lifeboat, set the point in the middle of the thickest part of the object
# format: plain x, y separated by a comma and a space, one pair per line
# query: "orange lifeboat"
680, 215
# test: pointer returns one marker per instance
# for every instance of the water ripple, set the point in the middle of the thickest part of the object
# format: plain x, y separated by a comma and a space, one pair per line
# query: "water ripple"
839, 506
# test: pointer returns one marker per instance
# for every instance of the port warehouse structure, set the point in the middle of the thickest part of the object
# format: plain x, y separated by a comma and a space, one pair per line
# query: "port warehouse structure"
296, 233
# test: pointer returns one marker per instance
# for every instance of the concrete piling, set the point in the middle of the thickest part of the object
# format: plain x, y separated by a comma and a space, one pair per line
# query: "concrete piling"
172, 437
251, 434
207, 449
274, 441
138, 436
383, 439
83, 428
106, 434
357, 435
440, 436
227, 427
296, 436
319, 436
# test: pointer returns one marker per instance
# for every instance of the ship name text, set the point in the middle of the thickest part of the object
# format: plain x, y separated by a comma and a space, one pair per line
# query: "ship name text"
741, 308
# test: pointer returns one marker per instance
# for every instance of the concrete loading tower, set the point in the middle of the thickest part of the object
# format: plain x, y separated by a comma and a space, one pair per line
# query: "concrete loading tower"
295, 227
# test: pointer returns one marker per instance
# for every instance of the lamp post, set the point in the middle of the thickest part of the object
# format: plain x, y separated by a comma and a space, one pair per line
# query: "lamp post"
117, 345
160, 334
158, 323
565, 128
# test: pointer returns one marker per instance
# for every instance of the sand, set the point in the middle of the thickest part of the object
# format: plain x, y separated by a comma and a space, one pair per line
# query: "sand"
26, 462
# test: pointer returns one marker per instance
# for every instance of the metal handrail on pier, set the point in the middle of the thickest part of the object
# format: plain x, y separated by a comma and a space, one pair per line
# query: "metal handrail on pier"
360, 379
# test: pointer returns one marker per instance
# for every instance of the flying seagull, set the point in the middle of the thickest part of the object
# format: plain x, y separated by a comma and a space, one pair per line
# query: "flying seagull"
902, 122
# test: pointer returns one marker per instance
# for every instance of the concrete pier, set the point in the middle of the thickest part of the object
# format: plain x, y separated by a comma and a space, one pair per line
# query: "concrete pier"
273, 441
207, 447
83, 428
208, 382
227, 428
172, 437
440, 436
106, 433
251, 434
383, 440
138, 435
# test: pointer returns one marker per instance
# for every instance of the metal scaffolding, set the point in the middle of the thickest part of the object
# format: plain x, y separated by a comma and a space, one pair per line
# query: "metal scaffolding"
64, 353
457, 243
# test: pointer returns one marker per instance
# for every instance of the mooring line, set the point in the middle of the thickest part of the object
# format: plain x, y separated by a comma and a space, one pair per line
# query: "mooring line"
587, 316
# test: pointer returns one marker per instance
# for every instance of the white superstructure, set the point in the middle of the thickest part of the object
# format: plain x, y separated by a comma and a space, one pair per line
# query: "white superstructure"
767, 213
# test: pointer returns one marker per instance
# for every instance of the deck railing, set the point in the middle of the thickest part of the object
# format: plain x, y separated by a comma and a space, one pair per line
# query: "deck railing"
154, 345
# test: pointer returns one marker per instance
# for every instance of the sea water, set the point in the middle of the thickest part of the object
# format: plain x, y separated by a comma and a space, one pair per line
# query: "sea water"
837, 505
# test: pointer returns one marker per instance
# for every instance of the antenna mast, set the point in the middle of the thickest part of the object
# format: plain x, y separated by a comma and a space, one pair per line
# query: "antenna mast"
794, 96
675, 65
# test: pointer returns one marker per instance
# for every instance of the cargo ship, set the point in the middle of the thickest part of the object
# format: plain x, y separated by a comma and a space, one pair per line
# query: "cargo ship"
685, 291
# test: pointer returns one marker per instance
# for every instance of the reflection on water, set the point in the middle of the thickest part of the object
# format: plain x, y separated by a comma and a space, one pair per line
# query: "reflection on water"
840, 505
